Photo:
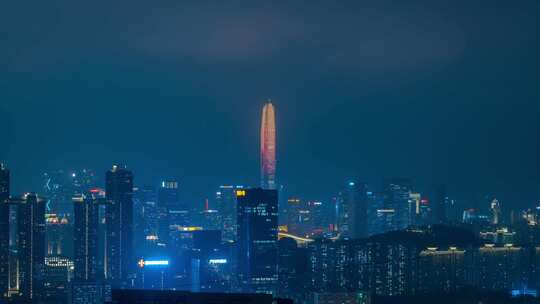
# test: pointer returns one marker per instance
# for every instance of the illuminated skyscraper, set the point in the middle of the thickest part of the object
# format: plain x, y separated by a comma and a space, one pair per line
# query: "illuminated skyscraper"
86, 209
351, 206
146, 219
257, 239
4, 230
268, 147
167, 201
31, 245
119, 219
226, 205
86, 286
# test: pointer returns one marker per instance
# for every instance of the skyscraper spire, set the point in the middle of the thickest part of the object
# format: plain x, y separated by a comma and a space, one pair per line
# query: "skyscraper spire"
268, 147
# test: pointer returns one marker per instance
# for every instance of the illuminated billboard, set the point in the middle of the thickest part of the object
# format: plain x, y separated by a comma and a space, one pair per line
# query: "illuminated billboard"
144, 263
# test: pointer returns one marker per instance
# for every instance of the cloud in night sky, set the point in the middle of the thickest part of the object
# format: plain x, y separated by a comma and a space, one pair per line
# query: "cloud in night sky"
375, 36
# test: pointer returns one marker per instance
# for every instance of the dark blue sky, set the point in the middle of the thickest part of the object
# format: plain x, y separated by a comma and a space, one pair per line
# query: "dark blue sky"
442, 91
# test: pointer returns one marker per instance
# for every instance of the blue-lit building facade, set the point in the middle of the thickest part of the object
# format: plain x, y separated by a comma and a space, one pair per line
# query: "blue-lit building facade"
4, 230
226, 206
168, 200
257, 240
119, 258
30, 246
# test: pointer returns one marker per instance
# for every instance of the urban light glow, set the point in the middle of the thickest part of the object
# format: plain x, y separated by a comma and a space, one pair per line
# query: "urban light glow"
217, 261
142, 263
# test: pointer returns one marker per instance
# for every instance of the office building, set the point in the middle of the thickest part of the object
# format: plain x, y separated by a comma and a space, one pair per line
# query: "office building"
294, 205
167, 200
352, 211
319, 217
293, 269
31, 245
300, 217
146, 219
4, 230
181, 247
58, 273
86, 211
226, 205
210, 263
257, 239
119, 259
356, 198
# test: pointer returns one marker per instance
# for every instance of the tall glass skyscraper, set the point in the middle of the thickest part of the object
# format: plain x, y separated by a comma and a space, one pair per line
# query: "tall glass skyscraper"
352, 204
31, 245
357, 198
86, 210
4, 230
268, 147
119, 258
257, 239
146, 219
226, 205
167, 200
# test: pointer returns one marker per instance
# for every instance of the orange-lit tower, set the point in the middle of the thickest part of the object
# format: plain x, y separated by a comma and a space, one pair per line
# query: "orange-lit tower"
268, 147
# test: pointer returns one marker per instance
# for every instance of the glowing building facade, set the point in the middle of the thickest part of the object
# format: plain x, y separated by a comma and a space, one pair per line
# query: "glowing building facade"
268, 147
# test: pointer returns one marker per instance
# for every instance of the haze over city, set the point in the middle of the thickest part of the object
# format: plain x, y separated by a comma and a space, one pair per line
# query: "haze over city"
442, 92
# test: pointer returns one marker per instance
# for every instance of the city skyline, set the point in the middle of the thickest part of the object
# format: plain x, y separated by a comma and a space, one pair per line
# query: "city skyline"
268, 164
306, 152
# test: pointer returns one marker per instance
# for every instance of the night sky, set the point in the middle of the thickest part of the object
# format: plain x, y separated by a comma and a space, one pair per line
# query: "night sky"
441, 91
